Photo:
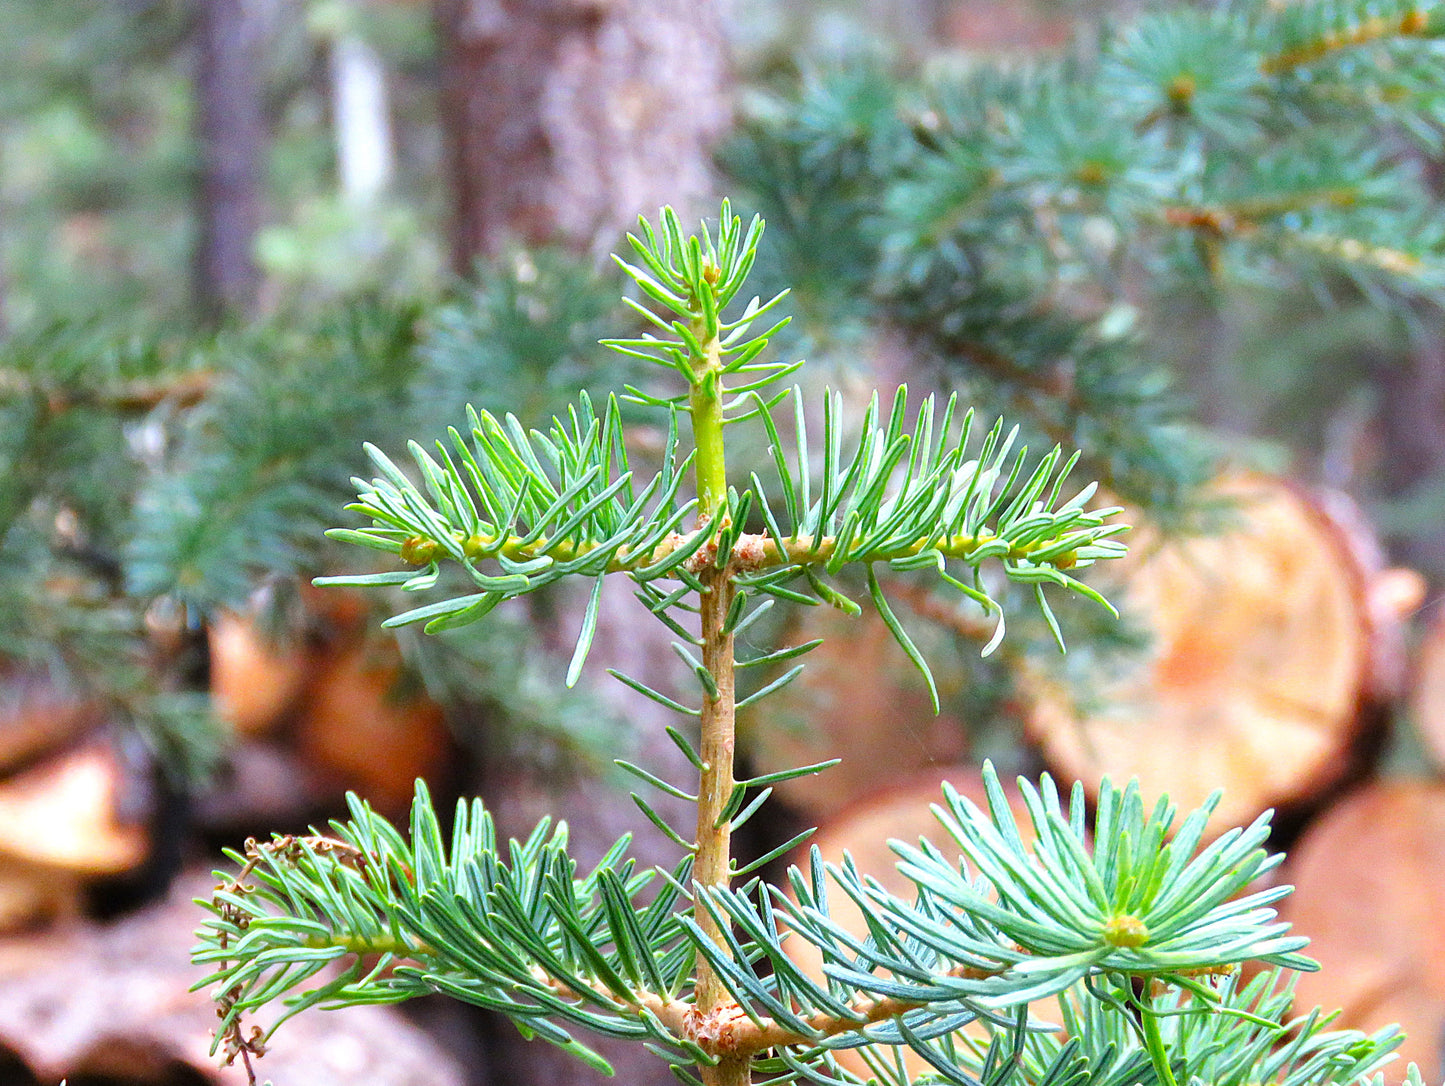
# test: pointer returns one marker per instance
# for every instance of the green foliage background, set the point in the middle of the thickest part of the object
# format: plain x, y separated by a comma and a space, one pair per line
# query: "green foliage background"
1063, 234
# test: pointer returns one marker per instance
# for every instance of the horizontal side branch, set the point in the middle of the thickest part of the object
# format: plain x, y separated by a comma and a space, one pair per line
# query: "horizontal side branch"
729, 1033
739, 1035
752, 553
1412, 24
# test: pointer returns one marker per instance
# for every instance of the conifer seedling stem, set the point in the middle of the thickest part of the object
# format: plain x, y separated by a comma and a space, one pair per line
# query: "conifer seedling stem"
1154, 1042
713, 862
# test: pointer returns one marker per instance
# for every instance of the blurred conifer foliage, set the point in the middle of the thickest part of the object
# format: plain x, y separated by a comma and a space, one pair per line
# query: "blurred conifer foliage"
102, 150
146, 482
1048, 234
1195, 191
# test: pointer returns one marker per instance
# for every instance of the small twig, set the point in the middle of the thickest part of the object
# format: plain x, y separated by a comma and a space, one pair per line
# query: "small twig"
1412, 24
728, 1032
736, 1034
185, 390
291, 847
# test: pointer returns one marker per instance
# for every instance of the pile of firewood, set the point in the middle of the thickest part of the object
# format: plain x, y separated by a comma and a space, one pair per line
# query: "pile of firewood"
326, 704
93, 1000
1281, 654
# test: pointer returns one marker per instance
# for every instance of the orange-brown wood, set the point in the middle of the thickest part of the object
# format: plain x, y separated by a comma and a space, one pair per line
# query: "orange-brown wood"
1261, 664
1427, 702
361, 725
859, 699
337, 698
58, 830
63, 813
1392, 594
254, 681
1369, 881
36, 719
110, 1003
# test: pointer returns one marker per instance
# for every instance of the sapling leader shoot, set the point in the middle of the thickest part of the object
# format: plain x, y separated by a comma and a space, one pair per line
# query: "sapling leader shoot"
1133, 920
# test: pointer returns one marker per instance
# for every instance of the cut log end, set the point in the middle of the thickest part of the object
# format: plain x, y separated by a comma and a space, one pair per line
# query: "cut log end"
357, 707
113, 1003
334, 698
62, 815
59, 831
861, 700
1262, 665
1367, 879
254, 683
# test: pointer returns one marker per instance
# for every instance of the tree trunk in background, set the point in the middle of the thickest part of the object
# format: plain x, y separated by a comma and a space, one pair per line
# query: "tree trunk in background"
596, 807
231, 133
1412, 406
364, 165
566, 119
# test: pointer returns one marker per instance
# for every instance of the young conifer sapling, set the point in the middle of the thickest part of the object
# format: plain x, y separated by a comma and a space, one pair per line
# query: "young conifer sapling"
1131, 918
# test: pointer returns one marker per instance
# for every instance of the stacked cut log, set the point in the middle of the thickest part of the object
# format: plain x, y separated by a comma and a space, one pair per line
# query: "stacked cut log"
256, 682
1369, 880
328, 714
112, 1003
1278, 647
859, 699
36, 719
61, 786
331, 703
1427, 706
1271, 644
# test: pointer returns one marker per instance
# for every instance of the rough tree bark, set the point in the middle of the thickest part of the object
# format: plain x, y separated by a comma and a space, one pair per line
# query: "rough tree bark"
565, 119
231, 133
1413, 403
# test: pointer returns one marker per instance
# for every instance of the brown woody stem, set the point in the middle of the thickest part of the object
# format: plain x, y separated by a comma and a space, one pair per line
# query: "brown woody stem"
714, 834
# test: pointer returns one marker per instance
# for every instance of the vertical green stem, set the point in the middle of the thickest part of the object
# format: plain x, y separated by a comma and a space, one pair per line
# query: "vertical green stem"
707, 428
1154, 1042
713, 862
